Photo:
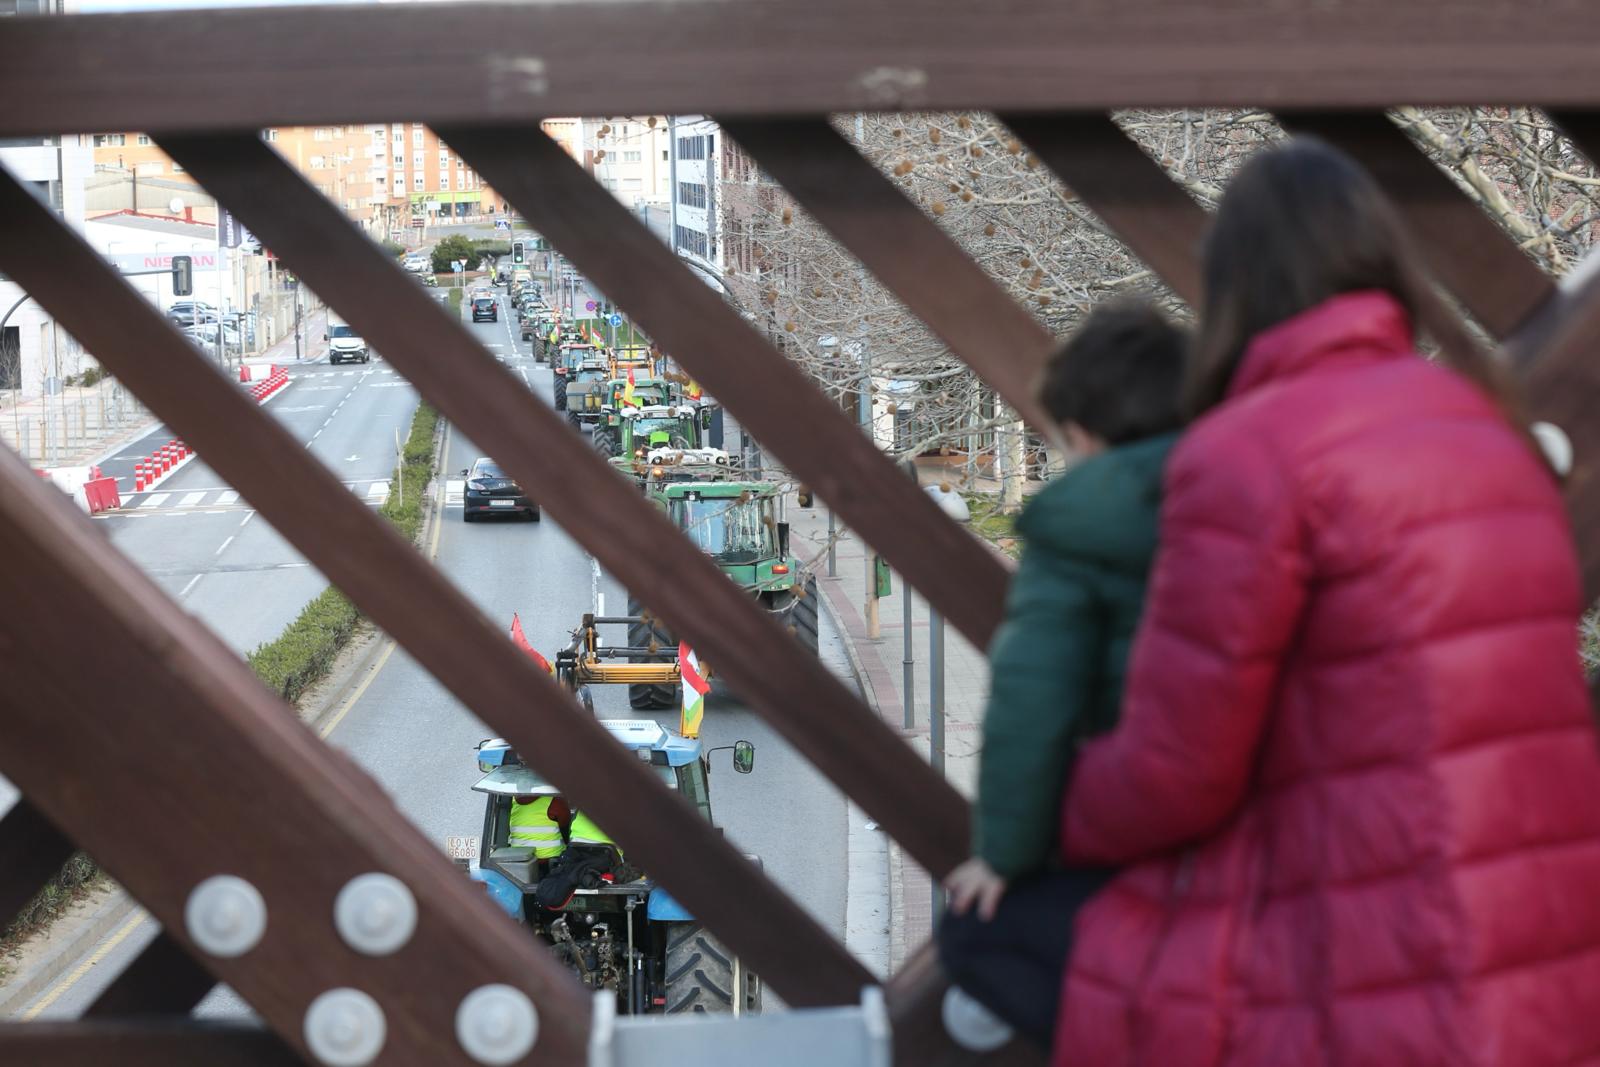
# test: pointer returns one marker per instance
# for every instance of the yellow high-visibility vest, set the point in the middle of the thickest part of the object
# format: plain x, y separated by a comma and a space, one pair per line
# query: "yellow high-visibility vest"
532, 827
583, 831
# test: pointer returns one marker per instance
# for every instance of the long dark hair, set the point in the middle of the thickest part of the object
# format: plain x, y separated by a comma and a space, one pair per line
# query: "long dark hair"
1300, 223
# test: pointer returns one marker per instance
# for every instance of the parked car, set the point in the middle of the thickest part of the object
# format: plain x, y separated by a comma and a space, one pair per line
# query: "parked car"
204, 334
189, 312
416, 264
490, 491
485, 309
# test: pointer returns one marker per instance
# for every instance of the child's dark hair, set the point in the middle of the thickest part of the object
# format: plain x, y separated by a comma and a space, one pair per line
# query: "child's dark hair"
1120, 374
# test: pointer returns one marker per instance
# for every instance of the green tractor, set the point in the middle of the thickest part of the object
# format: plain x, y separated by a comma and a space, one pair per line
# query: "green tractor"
736, 524
611, 437
572, 356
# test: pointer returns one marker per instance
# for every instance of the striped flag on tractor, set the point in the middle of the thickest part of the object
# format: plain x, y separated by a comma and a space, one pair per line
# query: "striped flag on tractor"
628, 399
520, 639
695, 688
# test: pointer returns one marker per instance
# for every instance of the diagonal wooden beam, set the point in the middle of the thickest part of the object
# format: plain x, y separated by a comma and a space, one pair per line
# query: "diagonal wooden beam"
772, 398
929, 272
1561, 383
915, 997
417, 605
162, 980
631, 538
1125, 188
145, 1043
194, 733
32, 850
1472, 256
525, 61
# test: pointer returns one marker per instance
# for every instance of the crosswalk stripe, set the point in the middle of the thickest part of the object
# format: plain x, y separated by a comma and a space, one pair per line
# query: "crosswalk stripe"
377, 491
228, 497
455, 490
190, 500
154, 500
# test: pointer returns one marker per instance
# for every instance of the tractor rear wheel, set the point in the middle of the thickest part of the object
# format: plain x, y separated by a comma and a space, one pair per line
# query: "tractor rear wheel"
703, 976
561, 393
644, 634
605, 441
803, 616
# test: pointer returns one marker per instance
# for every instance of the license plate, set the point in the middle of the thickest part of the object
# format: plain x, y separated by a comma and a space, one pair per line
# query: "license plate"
502, 503
461, 846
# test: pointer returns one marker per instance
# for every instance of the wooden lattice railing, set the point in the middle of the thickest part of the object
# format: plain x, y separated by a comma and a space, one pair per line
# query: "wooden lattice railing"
770, 70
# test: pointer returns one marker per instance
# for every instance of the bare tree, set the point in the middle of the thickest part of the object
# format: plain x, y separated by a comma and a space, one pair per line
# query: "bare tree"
984, 188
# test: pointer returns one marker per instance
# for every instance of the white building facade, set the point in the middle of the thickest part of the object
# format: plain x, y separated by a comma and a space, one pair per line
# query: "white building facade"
34, 352
696, 155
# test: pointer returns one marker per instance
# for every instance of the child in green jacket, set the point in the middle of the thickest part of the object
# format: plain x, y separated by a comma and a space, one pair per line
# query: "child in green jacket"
1058, 659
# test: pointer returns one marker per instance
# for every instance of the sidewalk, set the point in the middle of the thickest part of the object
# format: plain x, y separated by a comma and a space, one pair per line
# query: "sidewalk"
880, 664
81, 426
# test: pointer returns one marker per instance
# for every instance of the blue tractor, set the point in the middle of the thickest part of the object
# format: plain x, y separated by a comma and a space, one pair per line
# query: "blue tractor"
629, 935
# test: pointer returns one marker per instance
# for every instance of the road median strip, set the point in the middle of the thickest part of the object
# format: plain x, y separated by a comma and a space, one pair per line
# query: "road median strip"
289, 665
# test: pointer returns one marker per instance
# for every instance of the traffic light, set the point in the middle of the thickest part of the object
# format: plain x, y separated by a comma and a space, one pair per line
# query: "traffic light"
182, 275
517, 253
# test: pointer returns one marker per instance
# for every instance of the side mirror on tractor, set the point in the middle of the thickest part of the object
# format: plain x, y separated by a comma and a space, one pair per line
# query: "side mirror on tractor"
744, 757
783, 539
802, 497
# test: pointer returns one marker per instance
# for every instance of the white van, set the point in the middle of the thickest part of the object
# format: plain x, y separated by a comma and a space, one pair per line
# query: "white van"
344, 344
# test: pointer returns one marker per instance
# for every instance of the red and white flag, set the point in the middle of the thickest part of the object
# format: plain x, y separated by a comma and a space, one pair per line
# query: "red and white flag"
520, 639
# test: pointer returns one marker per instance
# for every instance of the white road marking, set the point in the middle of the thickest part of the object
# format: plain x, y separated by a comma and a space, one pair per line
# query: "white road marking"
291, 566
227, 497
378, 491
191, 584
224, 545
247, 518
387, 385
190, 500
454, 490
155, 500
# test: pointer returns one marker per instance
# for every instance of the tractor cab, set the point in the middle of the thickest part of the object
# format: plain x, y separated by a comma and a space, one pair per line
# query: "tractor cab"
736, 524
627, 936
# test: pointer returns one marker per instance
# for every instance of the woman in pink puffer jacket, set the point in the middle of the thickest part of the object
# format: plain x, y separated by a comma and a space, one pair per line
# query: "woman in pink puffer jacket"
1356, 787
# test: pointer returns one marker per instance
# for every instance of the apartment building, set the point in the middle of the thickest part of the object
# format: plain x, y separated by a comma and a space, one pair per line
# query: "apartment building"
695, 169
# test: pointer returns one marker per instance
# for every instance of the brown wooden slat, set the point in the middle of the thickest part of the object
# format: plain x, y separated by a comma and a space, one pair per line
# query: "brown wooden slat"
418, 606
631, 538
523, 61
770, 396
1561, 382
32, 850
144, 1043
914, 996
1472, 256
162, 980
927, 270
195, 740
1126, 189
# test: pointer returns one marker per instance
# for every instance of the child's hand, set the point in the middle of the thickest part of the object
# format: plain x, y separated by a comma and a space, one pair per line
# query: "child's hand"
975, 882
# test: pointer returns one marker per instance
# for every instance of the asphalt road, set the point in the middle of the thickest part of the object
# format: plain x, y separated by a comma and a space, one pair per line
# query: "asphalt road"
414, 738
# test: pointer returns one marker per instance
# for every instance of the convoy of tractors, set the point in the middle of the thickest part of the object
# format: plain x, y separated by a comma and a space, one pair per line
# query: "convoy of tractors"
617, 930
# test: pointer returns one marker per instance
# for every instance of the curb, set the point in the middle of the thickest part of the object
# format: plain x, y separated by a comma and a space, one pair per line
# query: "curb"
861, 844
69, 953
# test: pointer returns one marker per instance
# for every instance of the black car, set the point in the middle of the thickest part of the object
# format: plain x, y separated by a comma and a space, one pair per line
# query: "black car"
490, 491
484, 309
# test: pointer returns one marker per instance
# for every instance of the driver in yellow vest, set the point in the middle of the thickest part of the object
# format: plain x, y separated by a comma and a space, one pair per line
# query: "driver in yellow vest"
536, 823
583, 831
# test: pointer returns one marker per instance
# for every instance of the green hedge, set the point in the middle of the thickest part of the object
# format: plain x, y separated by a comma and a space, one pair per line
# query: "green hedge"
492, 246
394, 248
299, 658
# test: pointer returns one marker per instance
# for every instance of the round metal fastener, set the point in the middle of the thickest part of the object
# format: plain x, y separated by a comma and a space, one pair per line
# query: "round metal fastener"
1556, 444
345, 1028
497, 1024
225, 916
970, 1024
375, 913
